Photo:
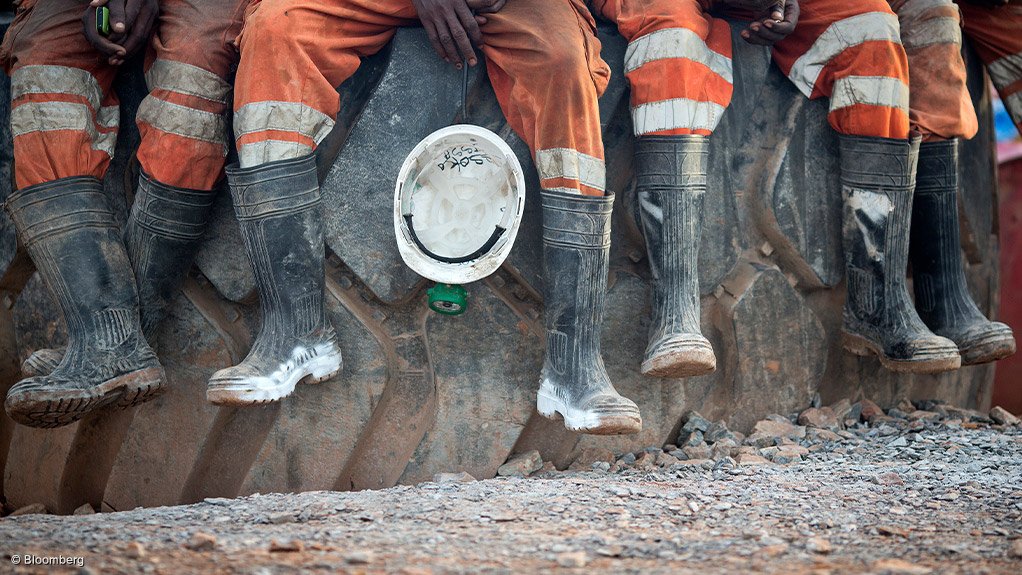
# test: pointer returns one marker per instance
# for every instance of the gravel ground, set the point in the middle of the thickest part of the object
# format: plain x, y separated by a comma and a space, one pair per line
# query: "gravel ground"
831, 490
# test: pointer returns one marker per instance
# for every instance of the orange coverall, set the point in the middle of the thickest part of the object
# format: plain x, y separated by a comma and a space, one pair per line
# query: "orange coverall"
940, 106
64, 112
542, 57
679, 64
996, 34
931, 31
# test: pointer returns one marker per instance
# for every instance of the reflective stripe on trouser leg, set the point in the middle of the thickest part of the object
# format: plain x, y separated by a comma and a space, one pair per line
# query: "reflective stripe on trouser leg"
183, 117
59, 124
316, 48
940, 106
995, 34
64, 115
852, 53
571, 171
548, 86
678, 64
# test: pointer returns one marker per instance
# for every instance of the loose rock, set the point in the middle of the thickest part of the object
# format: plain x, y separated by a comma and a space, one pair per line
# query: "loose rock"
521, 465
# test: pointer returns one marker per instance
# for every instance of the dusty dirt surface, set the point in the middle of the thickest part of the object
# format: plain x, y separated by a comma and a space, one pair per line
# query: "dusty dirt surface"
863, 491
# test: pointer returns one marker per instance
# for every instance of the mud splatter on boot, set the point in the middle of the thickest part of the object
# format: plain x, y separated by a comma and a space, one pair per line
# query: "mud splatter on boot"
162, 235
938, 272
877, 180
671, 182
70, 233
278, 208
574, 382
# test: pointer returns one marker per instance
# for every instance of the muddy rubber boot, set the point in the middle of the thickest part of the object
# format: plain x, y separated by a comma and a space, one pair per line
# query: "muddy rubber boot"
574, 382
877, 180
278, 209
162, 235
70, 233
670, 174
942, 292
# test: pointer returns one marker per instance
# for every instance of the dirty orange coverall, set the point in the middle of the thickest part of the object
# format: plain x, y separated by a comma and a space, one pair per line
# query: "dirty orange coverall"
996, 34
679, 64
542, 57
931, 30
64, 112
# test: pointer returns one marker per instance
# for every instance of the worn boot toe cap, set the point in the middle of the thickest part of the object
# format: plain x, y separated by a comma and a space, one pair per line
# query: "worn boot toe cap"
986, 342
679, 355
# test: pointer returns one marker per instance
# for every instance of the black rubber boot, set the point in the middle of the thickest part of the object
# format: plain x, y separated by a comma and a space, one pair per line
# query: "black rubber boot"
877, 180
938, 272
278, 208
574, 383
70, 233
670, 175
162, 235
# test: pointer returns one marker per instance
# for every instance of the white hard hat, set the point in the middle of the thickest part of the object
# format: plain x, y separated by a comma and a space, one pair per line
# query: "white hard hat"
457, 204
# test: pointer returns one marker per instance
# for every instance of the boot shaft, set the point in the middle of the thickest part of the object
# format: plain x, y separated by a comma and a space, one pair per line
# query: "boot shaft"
938, 269
670, 173
671, 163
162, 235
877, 180
278, 210
70, 232
576, 248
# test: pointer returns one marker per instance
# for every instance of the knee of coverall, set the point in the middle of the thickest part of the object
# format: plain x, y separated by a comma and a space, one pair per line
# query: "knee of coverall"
867, 76
283, 104
64, 118
940, 106
185, 114
569, 63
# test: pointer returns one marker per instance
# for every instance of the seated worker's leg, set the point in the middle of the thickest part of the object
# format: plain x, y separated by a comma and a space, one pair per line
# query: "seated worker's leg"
543, 60
679, 66
940, 108
996, 34
294, 54
851, 52
64, 121
183, 126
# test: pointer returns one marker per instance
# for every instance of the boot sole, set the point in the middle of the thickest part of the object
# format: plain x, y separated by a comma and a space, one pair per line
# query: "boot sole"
863, 347
681, 359
587, 422
995, 347
123, 391
238, 394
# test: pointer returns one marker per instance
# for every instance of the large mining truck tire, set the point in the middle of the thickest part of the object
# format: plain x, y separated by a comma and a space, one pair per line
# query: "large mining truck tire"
423, 393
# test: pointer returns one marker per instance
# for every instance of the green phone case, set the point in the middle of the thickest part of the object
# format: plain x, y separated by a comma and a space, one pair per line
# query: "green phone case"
103, 20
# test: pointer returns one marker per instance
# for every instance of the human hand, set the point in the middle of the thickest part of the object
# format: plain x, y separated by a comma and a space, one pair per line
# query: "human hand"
452, 28
774, 26
131, 22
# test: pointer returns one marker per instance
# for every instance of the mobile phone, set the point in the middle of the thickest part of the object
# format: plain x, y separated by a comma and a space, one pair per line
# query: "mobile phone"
103, 20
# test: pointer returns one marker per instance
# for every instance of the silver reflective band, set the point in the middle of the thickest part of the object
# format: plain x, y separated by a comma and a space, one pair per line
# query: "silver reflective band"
674, 114
676, 43
33, 117
871, 90
282, 117
913, 9
187, 79
184, 121
572, 165
56, 80
1013, 104
943, 30
1007, 70
838, 37
258, 153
